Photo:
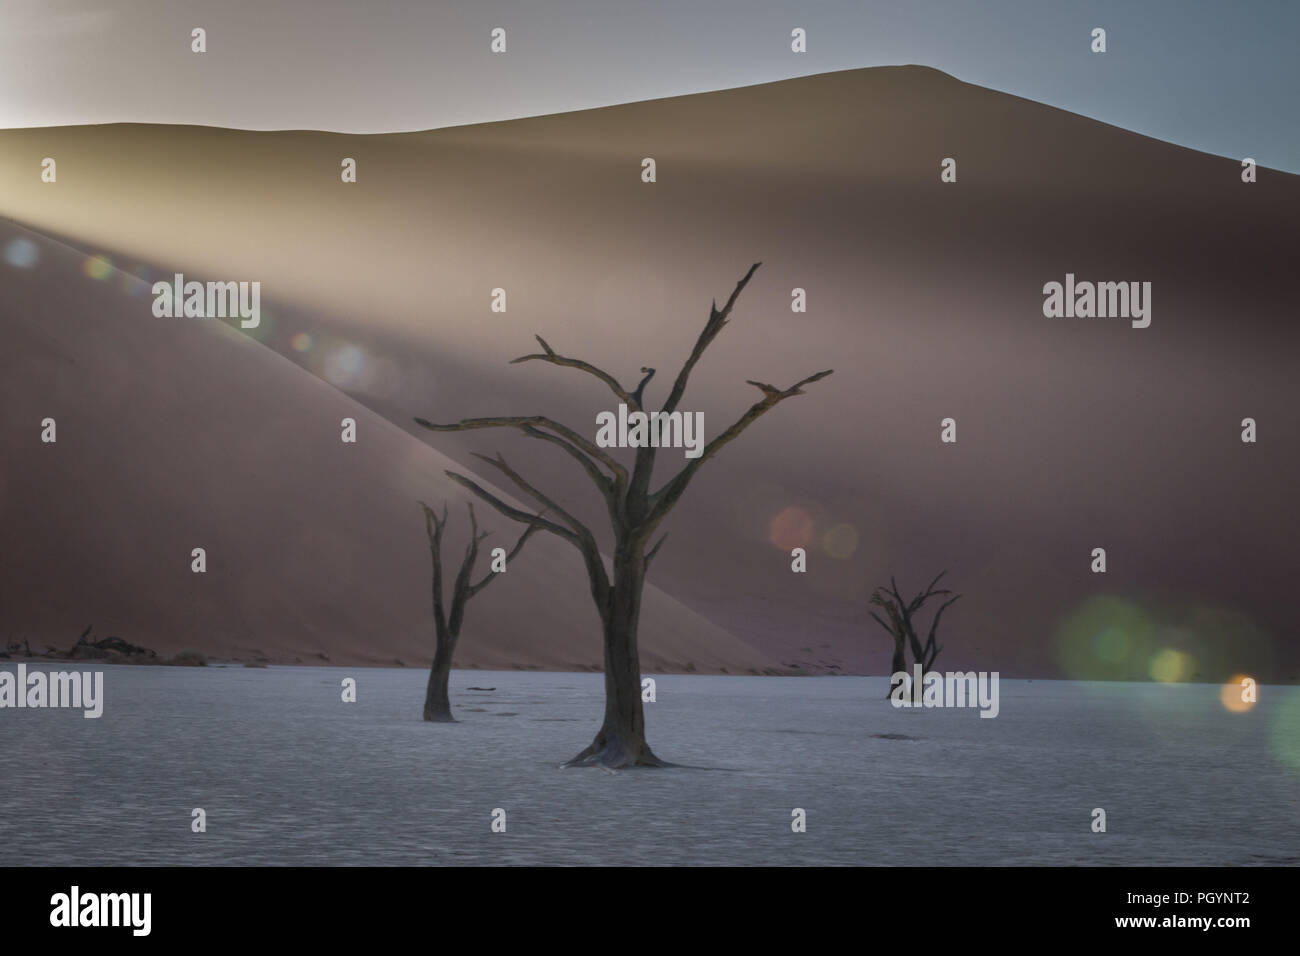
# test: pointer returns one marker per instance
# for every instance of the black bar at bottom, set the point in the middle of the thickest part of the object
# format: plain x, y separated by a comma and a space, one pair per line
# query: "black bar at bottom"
233, 905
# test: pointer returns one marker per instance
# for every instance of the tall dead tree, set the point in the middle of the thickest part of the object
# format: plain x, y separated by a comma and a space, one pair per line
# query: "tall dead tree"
900, 625
447, 624
635, 512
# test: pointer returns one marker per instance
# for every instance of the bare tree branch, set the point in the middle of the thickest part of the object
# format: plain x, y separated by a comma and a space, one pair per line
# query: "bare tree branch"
663, 499
554, 358
524, 423
460, 588
501, 465
931, 648
640, 389
650, 555
928, 593
586, 545
894, 608
645, 455
889, 629
519, 546
511, 512
711, 329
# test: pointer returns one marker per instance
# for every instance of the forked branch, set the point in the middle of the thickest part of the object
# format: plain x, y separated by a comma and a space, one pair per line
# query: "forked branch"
663, 499
717, 319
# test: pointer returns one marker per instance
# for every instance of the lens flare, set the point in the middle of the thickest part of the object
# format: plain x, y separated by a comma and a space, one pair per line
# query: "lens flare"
1107, 637
98, 268
1238, 694
21, 253
1170, 666
1111, 645
344, 365
791, 528
301, 342
840, 541
1286, 729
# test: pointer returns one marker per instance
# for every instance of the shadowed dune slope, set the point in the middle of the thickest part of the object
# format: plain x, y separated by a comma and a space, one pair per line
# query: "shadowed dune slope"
174, 435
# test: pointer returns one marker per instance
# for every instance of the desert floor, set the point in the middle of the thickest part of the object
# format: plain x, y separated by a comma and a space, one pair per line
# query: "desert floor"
290, 774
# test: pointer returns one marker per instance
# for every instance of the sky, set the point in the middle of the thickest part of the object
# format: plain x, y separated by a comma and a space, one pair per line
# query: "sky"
1215, 76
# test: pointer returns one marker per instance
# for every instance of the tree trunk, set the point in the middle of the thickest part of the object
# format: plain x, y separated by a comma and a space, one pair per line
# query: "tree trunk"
437, 701
899, 664
621, 740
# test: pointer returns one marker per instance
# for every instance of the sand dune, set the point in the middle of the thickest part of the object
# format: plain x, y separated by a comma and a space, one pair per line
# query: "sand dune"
925, 297
173, 435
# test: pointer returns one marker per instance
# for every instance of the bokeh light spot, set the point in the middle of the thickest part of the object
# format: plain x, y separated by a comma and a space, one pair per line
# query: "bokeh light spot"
791, 528
840, 541
1170, 666
98, 267
1238, 694
21, 253
344, 365
1286, 729
1111, 645
1106, 638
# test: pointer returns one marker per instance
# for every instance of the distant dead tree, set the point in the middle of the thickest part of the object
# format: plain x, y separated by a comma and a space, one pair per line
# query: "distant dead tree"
635, 512
900, 626
447, 624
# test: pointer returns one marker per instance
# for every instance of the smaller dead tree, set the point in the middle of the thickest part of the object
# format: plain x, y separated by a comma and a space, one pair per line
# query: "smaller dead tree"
901, 628
447, 622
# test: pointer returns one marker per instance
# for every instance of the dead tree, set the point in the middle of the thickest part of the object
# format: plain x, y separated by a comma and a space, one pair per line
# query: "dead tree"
635, 512
900, 625
437, 703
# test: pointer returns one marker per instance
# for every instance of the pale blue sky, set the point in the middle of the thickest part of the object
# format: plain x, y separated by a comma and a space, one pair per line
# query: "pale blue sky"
1216, 76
